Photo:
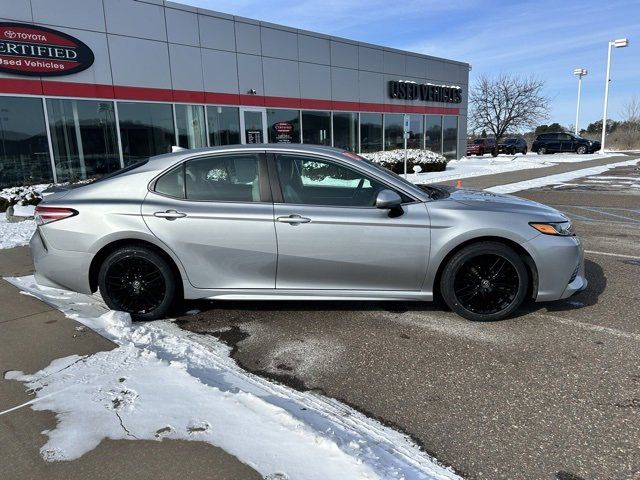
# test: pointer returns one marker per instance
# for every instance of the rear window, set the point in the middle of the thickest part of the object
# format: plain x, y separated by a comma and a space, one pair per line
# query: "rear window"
124, 170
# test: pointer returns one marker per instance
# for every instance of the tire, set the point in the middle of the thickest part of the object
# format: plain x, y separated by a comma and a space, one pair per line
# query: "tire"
513, 151
127, 272
581, 150
524, 151
485, 281
494, 152
542, 150
481, 153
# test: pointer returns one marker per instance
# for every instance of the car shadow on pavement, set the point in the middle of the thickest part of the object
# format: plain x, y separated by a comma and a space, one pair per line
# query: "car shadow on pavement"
594, 272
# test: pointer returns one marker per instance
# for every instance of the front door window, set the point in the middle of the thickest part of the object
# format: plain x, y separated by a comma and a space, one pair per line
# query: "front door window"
253, 126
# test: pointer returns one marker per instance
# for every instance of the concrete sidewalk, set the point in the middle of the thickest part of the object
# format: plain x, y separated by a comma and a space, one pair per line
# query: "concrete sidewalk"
487, 181
32, 334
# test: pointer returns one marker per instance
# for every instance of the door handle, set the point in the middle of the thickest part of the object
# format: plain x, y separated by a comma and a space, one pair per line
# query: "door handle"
170, 214
293, 219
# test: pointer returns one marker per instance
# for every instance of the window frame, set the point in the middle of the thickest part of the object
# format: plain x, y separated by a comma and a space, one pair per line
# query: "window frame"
263, 177
276, 186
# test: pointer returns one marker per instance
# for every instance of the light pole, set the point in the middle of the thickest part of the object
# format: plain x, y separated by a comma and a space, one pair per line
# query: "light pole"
579, 72
619, 43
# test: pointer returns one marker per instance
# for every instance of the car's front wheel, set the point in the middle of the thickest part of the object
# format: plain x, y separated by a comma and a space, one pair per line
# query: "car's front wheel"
581, 150
542, 150
137, 280
484, 281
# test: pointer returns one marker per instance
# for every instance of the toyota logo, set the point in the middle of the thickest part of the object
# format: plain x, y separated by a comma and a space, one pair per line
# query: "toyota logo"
10, 34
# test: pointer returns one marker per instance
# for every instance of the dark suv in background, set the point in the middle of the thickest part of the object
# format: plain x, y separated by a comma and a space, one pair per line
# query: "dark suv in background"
563, 142
514, 145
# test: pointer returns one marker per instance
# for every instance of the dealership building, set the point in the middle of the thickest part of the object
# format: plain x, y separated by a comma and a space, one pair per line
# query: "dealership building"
90, 86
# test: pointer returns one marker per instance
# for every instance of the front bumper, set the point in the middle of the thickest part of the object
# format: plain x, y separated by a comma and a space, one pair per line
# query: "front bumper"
560, 265
59, 268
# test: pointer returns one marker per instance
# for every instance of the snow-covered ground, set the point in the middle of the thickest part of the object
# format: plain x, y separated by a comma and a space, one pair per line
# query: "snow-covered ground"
476, 166
15, 234
162, 382
559, 178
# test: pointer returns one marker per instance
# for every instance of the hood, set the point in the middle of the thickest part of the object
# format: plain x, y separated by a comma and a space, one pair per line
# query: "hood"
483, 200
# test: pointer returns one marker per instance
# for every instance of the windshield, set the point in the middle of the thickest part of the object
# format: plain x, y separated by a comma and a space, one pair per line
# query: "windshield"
478, 142
510, 141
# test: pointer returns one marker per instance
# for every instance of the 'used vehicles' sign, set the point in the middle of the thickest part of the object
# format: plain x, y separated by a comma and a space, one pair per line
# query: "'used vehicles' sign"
38, 51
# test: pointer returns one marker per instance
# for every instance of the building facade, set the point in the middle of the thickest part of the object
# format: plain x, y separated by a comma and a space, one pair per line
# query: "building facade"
90, 86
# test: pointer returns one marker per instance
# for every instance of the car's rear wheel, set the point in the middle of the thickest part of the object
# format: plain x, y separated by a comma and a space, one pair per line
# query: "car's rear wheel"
484, 281
138, 281
581, 150
542, 150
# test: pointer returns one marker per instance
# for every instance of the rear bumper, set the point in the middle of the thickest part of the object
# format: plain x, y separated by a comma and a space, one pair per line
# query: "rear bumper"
560, 264
59, 268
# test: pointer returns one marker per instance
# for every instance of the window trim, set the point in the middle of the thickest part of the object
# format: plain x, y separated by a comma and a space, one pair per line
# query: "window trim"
277, 186
266, 195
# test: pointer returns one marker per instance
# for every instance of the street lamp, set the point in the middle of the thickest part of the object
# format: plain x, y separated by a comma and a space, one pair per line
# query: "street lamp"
619, 43
579, 72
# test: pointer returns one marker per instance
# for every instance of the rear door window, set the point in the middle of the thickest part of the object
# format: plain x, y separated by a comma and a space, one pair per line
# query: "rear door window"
223, 178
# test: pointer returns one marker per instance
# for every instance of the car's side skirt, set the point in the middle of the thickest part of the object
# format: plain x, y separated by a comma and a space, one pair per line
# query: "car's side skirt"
285, 294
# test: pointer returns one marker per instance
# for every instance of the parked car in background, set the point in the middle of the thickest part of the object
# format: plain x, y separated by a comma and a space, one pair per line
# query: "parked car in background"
513, 145
299, 222
563, 142
480, 146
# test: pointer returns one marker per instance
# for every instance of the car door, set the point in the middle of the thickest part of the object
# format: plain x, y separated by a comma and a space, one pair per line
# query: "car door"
332, 237
552, 142
215, 212
566, 142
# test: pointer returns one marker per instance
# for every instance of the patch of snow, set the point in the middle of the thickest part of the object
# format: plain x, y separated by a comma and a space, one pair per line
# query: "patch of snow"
163, 382
24, 210
468, 167
558, 178
15, 234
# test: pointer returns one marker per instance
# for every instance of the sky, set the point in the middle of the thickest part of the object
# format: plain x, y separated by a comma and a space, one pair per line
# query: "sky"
545, 38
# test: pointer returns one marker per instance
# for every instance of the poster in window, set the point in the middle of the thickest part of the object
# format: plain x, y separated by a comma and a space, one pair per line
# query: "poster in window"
284, 132
254, 136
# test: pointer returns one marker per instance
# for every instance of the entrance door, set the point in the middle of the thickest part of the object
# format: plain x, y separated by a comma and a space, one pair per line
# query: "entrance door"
253, 125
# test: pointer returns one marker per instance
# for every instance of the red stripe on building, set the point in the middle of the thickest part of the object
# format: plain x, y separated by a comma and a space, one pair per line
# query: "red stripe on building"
89, 90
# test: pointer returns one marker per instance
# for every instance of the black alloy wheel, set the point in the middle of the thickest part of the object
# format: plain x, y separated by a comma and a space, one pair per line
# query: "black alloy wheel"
485, 281
138, 281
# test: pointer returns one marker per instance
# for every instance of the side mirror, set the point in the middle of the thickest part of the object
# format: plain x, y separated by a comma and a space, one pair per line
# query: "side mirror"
388, 199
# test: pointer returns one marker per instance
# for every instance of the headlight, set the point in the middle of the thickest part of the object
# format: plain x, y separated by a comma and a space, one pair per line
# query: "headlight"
554, 228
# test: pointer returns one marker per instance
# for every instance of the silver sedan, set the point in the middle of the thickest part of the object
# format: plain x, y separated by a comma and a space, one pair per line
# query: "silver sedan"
298, 222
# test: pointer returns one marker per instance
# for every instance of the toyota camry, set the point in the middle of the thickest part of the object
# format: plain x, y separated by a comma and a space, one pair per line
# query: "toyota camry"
297, 222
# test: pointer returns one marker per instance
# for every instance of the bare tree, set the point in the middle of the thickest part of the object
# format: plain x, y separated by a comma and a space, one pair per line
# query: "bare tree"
507, 103
627, 136
631, 111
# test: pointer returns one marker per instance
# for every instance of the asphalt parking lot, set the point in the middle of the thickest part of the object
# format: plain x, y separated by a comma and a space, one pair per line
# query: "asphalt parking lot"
553, 392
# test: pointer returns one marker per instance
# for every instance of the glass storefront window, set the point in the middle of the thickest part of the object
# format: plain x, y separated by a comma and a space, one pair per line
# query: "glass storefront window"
416, 135
393, 127
224, 125
24, 150
316, 128
370, 132
345, 131
433, 133
283, 126
190, 123
450, 137
146, 129
83, 136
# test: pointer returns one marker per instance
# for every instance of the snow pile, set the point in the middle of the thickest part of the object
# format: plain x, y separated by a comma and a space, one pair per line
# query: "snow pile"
163, 382
20, 196
15, 234
394, 159
559, 178
468, 167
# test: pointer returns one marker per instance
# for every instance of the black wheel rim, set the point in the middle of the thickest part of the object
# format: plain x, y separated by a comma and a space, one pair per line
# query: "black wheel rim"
486, 284
135, 285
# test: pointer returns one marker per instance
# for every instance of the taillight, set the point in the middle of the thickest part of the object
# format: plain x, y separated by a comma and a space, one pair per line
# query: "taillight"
44, 215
